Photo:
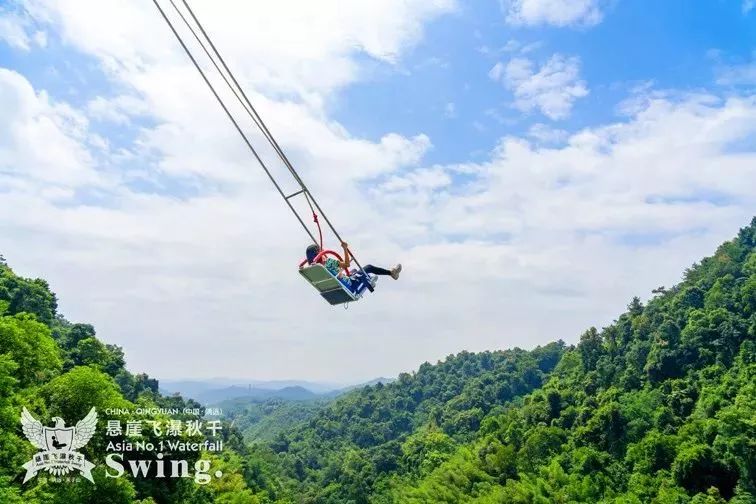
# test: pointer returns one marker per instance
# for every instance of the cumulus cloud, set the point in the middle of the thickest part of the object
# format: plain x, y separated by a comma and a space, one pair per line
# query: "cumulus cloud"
553, 88
546, 134
119, 109
665, 172
553, 12
737, 75
185, 178
12, 33
300, 48
43, 142
16, 30
521, 245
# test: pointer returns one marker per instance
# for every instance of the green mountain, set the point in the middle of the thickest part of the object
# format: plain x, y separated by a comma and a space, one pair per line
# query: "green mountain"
264, 416
193, 388
217, 396
658, 407
264, 420
58, 369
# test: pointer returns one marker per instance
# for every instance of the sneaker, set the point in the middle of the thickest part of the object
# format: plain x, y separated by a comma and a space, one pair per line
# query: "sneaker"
395, 271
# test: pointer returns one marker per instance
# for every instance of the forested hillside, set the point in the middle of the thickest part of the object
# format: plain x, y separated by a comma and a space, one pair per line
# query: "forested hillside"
56, 368
264, 420
658, 407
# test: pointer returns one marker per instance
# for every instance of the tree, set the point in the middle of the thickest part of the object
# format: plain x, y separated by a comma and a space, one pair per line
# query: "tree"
697, 469
591, 348
29, 344
27, 296
426, 450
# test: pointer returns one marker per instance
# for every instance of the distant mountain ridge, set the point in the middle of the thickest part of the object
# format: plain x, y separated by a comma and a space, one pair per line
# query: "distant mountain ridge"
217, 390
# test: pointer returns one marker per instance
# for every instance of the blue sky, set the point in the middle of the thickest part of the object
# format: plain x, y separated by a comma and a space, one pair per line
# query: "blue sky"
669, 44
532, 163
673, 44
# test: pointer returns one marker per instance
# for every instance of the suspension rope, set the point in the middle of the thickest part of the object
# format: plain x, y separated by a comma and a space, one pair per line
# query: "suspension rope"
320, 231
253, 114
245, 103
315, 219
251, 110
235, 88
231, 118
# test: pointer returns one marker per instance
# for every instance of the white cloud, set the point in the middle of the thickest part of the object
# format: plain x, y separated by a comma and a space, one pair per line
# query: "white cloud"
529, 246
553, 88
13, 34
304, 48
40, 38
42, 142
546, 134
737, 75
731, 70
131, 245
119, 109
512, 46
12, 31
555, 220
16, 28
748, 6
553, 12
450, 110
497, 71
242, 243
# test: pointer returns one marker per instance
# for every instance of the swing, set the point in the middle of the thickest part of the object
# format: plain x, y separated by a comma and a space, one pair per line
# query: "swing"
336, 289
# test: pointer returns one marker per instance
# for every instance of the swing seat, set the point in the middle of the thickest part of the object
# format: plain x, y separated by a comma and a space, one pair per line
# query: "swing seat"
333, 289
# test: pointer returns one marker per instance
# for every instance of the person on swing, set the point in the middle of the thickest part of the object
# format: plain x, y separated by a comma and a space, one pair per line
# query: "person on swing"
337, 267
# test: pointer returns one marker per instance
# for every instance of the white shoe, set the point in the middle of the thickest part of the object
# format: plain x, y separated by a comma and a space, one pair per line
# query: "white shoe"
395, 271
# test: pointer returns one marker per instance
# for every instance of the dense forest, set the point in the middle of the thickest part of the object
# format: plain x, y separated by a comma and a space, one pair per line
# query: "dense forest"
56, 368
658, 407
263, 420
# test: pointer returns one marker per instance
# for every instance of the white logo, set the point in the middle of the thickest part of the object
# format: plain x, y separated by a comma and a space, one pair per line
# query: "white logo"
58, 444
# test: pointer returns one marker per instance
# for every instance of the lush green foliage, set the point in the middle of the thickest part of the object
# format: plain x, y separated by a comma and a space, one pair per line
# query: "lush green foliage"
350, 448
264, 420
55, 368
658, 407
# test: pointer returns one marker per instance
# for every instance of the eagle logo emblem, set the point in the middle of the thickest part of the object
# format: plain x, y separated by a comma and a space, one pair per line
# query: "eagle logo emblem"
58, 445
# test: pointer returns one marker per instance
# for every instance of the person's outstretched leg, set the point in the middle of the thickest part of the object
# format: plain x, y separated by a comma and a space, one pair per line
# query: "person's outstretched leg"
375, 270
393, 272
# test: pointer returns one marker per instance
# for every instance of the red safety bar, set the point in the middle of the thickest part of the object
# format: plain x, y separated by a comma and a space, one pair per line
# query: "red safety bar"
321, 254
320, 231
